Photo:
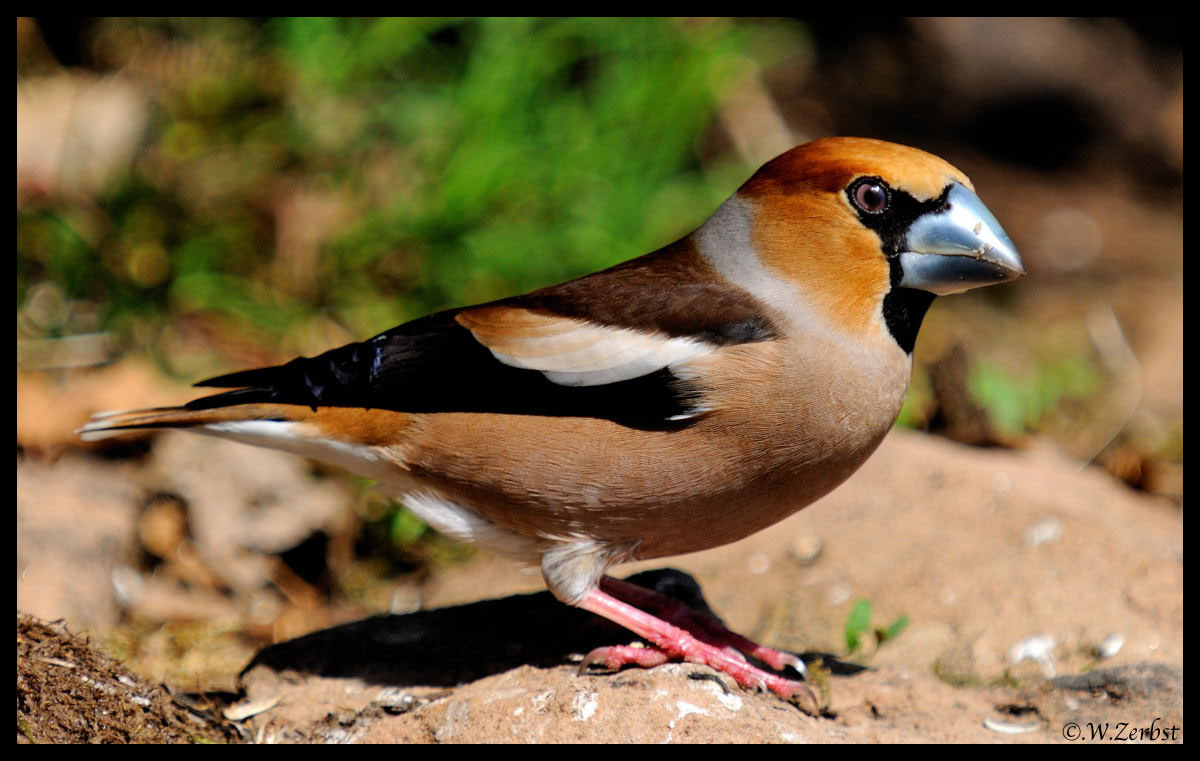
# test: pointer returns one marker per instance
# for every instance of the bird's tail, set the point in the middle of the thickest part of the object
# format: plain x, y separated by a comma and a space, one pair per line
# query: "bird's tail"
357, 439
105, 425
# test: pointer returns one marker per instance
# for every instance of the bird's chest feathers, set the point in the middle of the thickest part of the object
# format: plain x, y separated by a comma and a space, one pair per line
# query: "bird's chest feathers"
818, 401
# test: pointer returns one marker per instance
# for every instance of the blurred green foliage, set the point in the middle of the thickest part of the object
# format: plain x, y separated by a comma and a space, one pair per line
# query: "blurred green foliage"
1016, 399
431, 162
1019, 403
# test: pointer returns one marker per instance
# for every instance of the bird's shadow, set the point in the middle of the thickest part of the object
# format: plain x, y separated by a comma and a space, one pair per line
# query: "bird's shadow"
449, 646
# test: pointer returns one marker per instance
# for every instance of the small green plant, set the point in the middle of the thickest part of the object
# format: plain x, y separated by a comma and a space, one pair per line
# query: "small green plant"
858, 624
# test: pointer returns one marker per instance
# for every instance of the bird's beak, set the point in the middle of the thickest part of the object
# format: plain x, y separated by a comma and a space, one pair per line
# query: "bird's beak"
958, 248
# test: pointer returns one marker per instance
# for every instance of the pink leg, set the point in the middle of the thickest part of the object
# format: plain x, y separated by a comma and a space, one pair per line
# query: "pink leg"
710, 629
676, 643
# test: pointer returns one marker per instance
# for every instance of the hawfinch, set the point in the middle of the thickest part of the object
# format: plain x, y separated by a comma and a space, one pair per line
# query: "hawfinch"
675, 402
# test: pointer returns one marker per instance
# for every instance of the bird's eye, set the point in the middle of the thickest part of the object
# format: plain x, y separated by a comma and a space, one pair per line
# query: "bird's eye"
870, 195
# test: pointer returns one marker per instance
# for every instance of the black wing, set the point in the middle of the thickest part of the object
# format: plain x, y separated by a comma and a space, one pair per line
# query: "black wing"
435, 365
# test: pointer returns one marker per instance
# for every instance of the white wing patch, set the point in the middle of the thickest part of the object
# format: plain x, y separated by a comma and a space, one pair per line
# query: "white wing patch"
574, 353
604, 355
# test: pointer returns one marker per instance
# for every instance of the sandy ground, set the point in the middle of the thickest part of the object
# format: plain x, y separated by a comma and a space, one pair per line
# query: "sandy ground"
1041, 597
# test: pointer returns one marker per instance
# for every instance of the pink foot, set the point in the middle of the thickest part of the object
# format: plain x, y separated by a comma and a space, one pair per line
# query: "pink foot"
671, 642
615, 657
708, 628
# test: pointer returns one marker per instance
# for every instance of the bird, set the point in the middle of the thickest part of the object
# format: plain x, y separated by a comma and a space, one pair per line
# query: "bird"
675, 402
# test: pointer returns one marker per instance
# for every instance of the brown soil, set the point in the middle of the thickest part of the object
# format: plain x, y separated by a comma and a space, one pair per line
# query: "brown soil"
68, 691
982, 550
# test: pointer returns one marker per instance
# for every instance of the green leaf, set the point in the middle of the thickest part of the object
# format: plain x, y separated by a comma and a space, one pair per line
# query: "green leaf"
893, 630
857, 622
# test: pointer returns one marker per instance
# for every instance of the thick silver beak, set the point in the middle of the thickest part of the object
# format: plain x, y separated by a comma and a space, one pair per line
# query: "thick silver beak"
958, 248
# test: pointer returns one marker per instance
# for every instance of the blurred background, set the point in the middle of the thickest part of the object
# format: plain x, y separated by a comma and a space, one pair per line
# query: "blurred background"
196, 196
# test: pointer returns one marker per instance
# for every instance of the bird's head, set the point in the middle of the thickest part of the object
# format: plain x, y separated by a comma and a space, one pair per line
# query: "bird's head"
863, 228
